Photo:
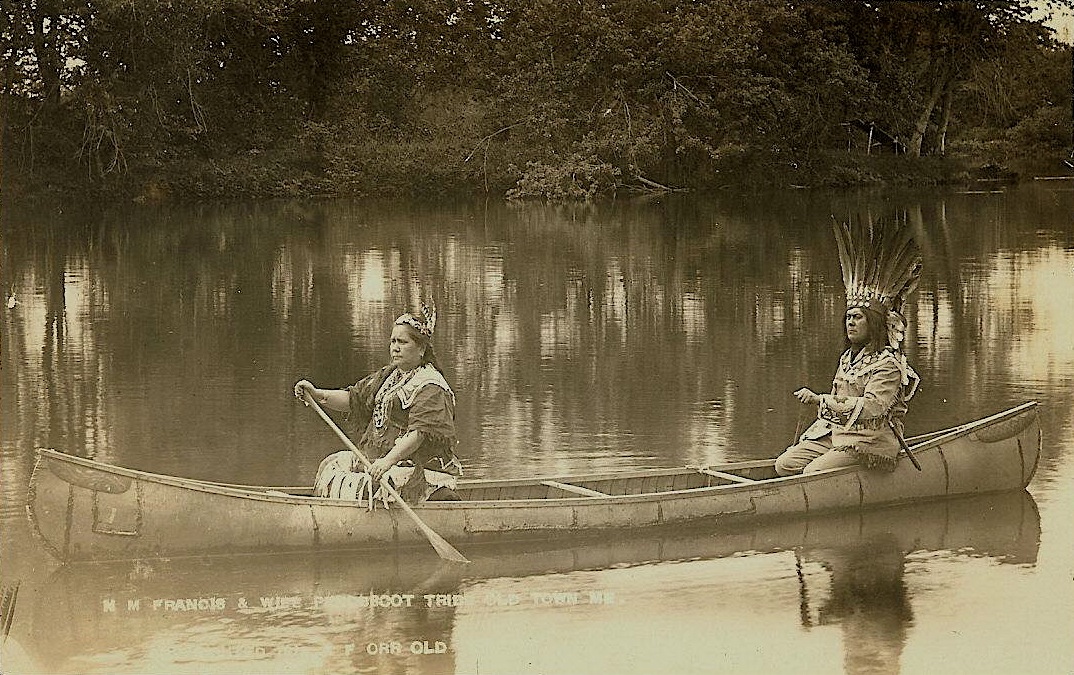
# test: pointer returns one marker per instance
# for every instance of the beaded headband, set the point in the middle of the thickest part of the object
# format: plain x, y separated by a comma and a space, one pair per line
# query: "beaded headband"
425, 324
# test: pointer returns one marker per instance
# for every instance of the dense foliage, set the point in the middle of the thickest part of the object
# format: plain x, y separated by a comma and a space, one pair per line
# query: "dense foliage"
526, 98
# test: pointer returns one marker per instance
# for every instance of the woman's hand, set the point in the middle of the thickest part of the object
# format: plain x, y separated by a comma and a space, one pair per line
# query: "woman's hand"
303, 386
807, 396
378, 468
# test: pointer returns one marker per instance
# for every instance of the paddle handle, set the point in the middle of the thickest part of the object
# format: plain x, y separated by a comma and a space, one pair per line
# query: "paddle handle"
443, 548
308, 399
905, 447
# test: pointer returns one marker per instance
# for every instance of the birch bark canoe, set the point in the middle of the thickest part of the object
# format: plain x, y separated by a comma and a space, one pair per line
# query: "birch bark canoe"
86, 510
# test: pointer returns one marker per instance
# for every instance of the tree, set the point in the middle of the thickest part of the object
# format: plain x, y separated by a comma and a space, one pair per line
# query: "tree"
940, 44
289, 96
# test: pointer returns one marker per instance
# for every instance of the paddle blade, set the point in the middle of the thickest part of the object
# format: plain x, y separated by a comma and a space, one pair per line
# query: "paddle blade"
443, 549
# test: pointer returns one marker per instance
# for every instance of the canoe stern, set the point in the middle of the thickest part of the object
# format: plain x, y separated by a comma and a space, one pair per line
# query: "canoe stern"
1013, 446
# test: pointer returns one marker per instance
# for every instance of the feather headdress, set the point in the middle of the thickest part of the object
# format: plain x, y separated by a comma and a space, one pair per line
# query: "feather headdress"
425, 324
881, 266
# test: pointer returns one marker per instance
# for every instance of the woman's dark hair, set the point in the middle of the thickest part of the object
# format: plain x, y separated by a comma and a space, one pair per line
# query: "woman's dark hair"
877, 330
429, 356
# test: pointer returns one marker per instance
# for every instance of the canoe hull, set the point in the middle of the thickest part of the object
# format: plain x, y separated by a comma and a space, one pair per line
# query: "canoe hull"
85, 510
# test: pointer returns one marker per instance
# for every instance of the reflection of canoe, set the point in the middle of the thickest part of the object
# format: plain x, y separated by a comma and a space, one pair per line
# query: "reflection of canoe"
89, 510
128, 605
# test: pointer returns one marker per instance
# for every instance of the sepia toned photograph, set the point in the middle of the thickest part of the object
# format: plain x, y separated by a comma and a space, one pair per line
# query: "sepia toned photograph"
531, 337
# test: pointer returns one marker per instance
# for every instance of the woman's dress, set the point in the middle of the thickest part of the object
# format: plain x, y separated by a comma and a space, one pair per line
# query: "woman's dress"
386, 405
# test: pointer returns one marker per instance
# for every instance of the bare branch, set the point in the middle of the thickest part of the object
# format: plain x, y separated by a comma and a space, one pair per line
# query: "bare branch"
488, 138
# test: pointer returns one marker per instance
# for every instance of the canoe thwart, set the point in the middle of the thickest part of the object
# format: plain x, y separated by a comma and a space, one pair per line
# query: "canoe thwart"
567, 487
726, 476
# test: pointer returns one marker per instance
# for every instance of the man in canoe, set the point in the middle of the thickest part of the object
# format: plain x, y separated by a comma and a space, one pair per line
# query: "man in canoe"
860, 421
406, 411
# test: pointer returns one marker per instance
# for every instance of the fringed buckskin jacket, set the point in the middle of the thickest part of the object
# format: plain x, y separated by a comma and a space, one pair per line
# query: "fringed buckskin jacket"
423, 403
870, 390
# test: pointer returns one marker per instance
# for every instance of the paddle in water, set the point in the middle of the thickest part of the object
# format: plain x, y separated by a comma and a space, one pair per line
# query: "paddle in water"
444, 549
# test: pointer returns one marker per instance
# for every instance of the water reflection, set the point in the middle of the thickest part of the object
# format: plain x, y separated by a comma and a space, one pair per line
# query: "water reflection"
583, 338
869, 600
153, 338
414, 614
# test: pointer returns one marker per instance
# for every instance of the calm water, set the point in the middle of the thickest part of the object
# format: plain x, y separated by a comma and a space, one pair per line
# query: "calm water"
637, 334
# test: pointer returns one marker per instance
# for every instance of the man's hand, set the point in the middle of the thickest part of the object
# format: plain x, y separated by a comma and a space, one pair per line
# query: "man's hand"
807, 396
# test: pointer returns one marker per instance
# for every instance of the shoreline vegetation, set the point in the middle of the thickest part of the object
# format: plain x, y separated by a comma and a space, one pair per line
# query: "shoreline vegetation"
149, 100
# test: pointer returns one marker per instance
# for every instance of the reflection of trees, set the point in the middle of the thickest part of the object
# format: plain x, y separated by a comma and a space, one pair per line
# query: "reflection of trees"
668, 331
50, 366
144, 317
979, 309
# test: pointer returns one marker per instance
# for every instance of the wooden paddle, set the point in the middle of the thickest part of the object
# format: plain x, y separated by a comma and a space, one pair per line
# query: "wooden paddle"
443, 548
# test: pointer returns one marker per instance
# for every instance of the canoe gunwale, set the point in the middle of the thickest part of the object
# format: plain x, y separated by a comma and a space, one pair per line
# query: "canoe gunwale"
254, 493
275, 494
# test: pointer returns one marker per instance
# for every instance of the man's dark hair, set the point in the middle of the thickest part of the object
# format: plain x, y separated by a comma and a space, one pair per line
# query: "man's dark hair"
877, 330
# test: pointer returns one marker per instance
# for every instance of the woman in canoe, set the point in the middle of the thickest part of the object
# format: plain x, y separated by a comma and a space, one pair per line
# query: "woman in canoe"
860, 421
406, 411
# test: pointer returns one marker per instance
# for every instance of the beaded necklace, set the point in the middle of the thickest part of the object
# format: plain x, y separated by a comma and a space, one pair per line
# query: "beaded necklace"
382, 399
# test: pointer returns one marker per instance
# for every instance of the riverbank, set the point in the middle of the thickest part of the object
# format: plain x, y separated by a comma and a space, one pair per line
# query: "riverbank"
422, 172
